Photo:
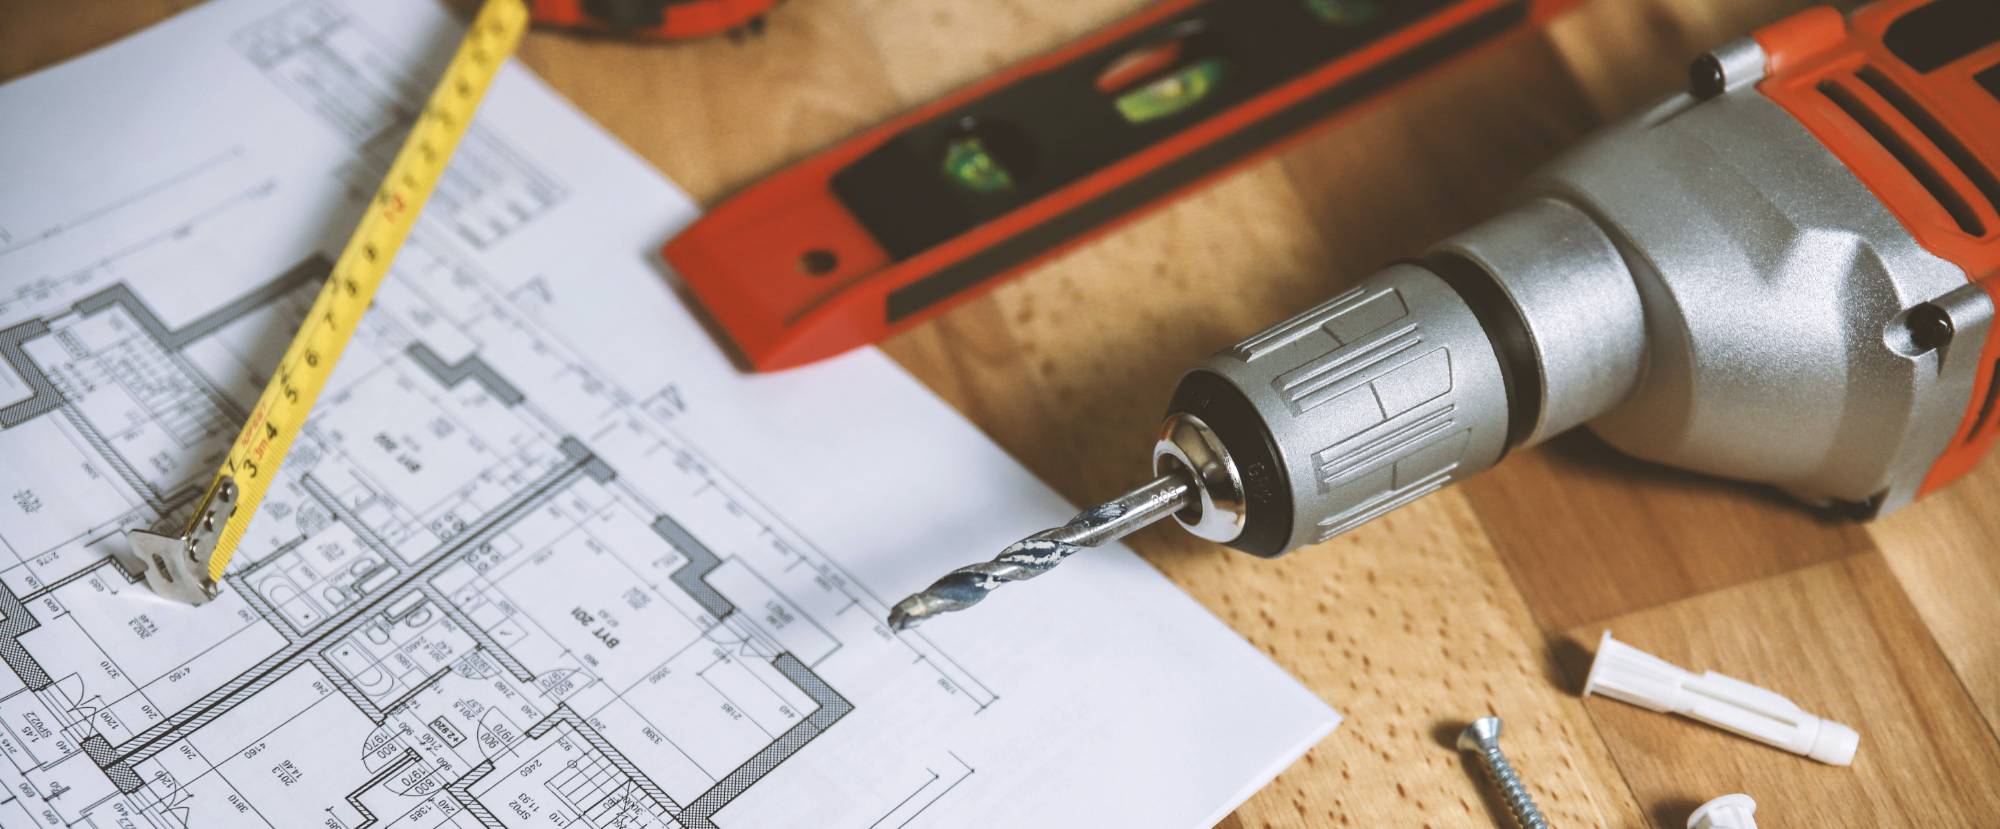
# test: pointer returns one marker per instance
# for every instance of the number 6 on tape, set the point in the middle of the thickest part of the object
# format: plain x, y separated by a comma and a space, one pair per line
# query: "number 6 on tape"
189, 566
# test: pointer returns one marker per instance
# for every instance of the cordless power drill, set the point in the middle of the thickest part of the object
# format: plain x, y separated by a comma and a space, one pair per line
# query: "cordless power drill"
1787, 274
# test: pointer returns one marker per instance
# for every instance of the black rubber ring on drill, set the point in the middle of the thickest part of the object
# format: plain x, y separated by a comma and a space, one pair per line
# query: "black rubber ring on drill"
1507, 332
1267, 489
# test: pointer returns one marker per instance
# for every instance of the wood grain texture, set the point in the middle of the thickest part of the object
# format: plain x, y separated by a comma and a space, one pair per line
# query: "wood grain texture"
1946, 554
1412, 628
37, 33
1843, 641
716, 114
1590, 534
1480, 599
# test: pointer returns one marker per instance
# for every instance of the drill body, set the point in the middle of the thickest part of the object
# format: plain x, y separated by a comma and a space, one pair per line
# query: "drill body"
1786, 275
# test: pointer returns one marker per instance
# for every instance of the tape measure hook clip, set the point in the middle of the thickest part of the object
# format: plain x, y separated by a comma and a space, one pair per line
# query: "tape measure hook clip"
176, 566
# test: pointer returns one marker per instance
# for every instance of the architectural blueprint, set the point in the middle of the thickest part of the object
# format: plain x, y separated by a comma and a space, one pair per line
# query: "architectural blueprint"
542, 557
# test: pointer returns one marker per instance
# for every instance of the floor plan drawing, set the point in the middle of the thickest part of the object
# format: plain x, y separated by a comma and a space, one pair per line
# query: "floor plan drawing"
397, 593
510, 575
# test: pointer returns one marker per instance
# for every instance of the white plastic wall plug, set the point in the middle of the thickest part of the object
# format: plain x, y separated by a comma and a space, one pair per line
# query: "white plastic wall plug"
1626, 673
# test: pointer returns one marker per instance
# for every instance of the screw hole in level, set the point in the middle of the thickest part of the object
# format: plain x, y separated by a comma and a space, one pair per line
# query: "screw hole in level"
818, 262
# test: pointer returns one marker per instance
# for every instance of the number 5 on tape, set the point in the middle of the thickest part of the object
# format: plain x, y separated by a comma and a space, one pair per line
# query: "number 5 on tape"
189, 566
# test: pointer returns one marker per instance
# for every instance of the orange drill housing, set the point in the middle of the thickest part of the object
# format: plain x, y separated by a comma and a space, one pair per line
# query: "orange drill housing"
1906, 93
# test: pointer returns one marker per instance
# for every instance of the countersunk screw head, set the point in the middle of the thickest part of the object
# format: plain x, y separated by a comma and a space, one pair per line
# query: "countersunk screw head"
1481, 733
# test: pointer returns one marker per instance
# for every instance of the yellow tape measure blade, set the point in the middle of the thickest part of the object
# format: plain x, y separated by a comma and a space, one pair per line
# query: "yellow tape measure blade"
192, 566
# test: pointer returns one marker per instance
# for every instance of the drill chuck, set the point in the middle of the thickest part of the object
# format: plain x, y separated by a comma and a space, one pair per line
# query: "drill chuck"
1397, 370
1425, 373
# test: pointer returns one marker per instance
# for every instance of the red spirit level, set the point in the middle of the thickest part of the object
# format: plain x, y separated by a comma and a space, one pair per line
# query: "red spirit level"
660, 19
914, 216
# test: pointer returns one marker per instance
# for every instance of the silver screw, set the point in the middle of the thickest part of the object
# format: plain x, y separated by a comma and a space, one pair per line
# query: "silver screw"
1482, 738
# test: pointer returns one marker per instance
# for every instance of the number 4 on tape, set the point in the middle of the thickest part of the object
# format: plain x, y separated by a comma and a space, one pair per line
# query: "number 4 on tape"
189, 566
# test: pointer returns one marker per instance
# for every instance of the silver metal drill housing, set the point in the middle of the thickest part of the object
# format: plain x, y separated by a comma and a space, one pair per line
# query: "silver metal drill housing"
1705, 286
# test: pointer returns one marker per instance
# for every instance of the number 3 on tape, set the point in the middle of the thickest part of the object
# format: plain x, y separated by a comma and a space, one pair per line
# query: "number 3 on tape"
189, 566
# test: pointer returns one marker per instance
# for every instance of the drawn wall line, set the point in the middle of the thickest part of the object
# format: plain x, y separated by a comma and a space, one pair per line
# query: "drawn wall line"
42, 394
564, 715
832, 706
461, 791
470, 367
403, 761
269, 670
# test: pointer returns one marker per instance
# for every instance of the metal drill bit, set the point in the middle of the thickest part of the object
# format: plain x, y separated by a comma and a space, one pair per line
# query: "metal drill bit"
1041, 552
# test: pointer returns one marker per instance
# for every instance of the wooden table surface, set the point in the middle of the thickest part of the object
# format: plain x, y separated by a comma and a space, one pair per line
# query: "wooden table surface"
1487, 597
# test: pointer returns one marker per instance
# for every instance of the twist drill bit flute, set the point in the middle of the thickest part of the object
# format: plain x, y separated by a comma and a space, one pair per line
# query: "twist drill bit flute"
1738, 282
1041, 552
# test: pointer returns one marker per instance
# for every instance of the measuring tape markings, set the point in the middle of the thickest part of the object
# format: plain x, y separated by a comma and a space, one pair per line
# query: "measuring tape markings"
287, 400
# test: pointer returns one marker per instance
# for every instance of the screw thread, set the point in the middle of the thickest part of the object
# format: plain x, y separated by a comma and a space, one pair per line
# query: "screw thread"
1520, 805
